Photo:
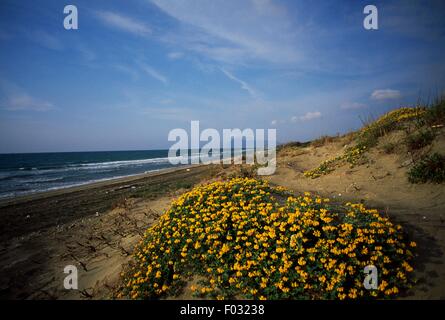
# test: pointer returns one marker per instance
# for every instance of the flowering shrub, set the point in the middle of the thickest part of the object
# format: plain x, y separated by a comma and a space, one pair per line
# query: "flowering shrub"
390, 121
431, 168
351, 156
367, 137
244, 239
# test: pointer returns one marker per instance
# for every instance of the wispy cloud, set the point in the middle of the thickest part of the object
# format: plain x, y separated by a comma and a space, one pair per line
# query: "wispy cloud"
385, 94
127, 70
154, 73
307, 116
232, 31
14, 98
243, 84
86, 53
46, 40
124, 23
175, 55
27, 102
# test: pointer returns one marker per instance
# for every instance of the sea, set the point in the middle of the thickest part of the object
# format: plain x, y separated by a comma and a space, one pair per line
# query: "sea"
27, 173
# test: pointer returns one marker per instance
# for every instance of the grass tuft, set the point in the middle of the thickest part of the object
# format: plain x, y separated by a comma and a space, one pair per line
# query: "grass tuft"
430, 168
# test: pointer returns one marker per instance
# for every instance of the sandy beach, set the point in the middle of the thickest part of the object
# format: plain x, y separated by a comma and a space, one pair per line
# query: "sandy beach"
93, 226
234, 151
96, 227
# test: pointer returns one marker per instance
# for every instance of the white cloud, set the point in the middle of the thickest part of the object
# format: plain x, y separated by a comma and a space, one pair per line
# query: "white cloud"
243, 84
87, 53
13, 98
127, 70
124, 23
352, 106
154, 73
175, 55
46, 40
307, 117
384, 94
234, 31
24, 101
310, 116
274, 122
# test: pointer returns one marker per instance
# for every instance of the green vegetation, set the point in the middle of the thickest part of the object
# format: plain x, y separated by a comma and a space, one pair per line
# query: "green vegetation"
369, 135
239, 241
420, 125
351, 156
389, 147
430, 168
420, 139
435, 114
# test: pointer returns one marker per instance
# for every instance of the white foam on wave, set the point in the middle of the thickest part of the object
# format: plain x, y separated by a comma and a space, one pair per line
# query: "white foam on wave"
78, 184
122, 163
95, 166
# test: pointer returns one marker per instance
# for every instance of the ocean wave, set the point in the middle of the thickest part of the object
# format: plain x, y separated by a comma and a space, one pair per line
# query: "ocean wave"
42, 180
21, 192
94, 166
121, 163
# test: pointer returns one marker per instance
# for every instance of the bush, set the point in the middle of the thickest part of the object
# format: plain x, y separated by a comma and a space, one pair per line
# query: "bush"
435, 115
242, 239
293, 144
430, 168
323, 140
368, 136
351, 156
419, 140
389, 147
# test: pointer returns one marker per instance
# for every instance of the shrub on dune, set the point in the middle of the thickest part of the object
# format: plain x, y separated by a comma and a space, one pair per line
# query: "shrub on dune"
246, 239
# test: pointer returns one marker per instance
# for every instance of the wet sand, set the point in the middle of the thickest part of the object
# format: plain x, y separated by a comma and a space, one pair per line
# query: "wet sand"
25, 214
93, 227
96, 227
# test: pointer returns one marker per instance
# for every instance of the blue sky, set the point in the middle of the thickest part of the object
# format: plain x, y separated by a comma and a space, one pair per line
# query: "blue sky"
136, 69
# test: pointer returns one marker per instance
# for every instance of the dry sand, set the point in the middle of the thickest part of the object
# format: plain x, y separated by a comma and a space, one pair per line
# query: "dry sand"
63, 227
94, 227
381, 183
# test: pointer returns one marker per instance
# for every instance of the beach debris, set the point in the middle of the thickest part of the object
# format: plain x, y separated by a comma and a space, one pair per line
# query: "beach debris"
85, 293
406, 163
124, 251
127, 186
97, 214
28, 216
80, 262
352, 187
187, 170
